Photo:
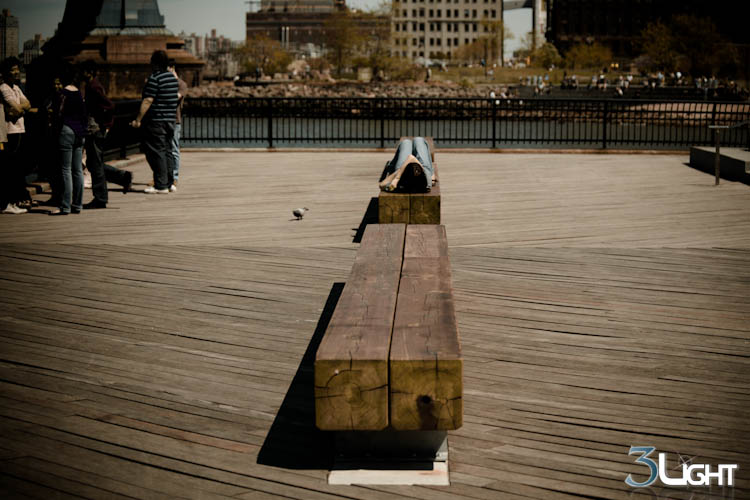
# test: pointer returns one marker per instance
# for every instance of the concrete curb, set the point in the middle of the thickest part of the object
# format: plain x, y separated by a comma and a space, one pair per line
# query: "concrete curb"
443, 151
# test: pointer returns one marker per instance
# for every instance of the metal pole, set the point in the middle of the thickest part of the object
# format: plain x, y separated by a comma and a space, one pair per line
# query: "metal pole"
382, 124
270, 123
717, 158
494, 123
604, 125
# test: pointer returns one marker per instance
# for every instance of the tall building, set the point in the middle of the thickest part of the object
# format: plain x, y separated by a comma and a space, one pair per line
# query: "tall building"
193, 43
122, 40
8, 35
130, 13
296, 24
32, 49
436, 28
221, 62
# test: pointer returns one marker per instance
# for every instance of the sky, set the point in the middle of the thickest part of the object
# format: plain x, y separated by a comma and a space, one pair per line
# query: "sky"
199, 17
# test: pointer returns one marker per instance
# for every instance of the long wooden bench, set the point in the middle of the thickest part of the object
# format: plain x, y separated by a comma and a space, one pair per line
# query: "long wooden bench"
391, 356
411, 208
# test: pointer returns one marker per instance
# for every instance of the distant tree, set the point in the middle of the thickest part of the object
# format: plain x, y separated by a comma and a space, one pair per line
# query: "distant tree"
687, 43
527, 46
658, 46
587, 56
342, 37
702, 48
375, 32
262, 52
472, 52
496, 36
546, 56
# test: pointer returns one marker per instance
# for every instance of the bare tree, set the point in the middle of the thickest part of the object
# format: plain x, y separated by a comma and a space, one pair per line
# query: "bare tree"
342, 37
261, 52
495, 37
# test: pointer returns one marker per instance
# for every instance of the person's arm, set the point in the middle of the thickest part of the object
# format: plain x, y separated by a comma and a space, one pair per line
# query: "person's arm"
25, 104
145, 105
182, 89
149, 92
391, 182
106, 106
10, 98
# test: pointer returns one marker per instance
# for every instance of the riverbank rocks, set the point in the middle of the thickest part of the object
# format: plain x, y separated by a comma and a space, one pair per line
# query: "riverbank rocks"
340, 89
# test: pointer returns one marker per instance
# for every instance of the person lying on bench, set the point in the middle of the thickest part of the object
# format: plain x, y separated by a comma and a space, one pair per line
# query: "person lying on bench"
411, 169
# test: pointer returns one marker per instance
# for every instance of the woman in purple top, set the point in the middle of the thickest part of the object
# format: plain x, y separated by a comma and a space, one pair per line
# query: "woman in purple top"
73, 123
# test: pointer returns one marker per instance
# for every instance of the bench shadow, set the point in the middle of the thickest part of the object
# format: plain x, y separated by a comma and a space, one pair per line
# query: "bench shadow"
293, 441
732, 175
370, 217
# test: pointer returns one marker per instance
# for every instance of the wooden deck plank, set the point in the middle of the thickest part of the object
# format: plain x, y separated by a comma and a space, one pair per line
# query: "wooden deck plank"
602, 302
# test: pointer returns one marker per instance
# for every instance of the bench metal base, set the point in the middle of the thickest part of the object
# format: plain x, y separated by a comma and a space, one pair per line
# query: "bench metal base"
431, 474
391, 457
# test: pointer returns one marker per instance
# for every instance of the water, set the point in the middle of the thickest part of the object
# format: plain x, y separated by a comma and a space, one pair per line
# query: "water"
373, 133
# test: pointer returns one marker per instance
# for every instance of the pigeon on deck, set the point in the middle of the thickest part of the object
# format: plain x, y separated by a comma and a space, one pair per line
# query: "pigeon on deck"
299, 212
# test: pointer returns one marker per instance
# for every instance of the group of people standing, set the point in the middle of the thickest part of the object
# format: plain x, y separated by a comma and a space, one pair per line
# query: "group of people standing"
80, 116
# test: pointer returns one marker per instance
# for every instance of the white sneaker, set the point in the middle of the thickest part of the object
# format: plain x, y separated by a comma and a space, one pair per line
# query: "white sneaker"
172, 188
12, 209
153, 190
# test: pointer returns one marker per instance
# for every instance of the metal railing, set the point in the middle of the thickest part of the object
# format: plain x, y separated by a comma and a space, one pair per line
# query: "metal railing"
122, 138
453, 122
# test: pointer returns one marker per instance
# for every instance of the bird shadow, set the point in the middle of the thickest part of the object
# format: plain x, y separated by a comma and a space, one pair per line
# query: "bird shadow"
293, 441
370, 217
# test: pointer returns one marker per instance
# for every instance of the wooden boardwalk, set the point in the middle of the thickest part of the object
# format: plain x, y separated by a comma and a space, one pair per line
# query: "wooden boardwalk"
163, 348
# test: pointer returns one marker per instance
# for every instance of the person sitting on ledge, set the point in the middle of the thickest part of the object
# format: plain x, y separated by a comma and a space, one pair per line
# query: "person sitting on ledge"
411, 169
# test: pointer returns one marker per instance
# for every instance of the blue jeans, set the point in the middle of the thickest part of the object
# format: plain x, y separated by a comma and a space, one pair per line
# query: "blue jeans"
94, 146
417, 147
176, 150
71, 151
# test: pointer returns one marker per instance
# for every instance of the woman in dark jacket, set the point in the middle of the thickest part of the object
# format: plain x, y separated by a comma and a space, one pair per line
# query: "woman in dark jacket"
73, 124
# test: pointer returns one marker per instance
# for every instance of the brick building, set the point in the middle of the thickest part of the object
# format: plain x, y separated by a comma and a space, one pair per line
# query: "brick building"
8, 35
297, 24
429, 28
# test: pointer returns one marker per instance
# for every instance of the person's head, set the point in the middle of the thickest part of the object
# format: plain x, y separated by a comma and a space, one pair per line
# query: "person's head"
57, 84
68, 75
11, 70
88, 70
159, 60
413, 178
172, 67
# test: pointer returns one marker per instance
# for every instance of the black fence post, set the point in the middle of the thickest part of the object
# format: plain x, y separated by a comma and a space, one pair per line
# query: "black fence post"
717, 157
605, 117
381, 109
494, 123
270, 123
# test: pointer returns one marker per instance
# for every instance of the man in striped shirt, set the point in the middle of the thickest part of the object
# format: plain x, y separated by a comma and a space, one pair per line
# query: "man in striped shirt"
157, 117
